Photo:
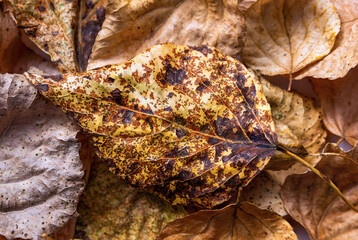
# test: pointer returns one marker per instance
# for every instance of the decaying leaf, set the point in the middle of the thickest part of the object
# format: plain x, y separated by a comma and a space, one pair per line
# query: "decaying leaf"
133, 26
111, 209
283, 36
344, 55
316, 206
304, 119
339, 100
49, 24
234, 222
91, 17
187, 123
40, 171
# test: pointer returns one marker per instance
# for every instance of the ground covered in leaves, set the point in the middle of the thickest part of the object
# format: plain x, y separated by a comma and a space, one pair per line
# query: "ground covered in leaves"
178, 119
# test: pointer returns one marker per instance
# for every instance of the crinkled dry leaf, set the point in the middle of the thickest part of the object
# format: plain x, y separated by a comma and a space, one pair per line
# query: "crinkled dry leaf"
133, 26
344, 55
339, 99
316, 206
111, 209
40, 171
283, 36
234, 222
304, 119
49, 24
91, 17
187, 123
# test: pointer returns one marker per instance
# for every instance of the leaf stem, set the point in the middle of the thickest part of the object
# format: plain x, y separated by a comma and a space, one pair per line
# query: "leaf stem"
320, 175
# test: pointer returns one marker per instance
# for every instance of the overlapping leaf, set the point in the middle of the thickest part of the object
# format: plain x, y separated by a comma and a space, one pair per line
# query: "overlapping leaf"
122, 212
187, 123
49, 24
286, 35
133, 26
234, 222
339, 100
344, 55
312, 202
40, 170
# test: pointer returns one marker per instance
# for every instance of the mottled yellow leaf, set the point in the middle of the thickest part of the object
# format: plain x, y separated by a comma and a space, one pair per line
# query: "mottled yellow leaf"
112, 209
132, 26
234, 222
188, 123
312, 202
339, 99
344, 55
50, 25
283, 36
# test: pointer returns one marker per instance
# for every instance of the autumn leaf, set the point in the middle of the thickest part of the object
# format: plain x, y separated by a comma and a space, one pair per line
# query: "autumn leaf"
187, 123
283, 36
234, 222
111, 209
49, 24
344, 55
40, 170
313, 203
131, 27
91, 17
339, 100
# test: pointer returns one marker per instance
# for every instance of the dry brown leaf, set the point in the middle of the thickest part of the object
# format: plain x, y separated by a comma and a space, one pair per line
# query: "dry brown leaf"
133, 26
310, 201
49, 24
91, 17
344, 55
286, 35
40, 170
112, 209
234, 222
339, 99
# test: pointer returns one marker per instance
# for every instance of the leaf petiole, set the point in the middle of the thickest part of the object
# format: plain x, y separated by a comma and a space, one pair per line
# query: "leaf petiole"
320, 175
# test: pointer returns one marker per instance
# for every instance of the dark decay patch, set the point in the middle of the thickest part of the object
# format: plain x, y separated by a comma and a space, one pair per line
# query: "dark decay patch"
109, 79
201, 87
55, 78
177, 153
180, 133
170, 95
148, 111
41, 8
174, 75
42, 87
150, 123
87, 77
52, 7
54, 33
117, 96
46, 47
203, 49
169, 109
31, 32
128, 117
213, 141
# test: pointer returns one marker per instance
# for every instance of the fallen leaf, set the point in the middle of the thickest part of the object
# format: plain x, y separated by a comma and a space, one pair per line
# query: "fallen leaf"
49, 24
283, 36
112, 209
339, 99
187, 123
91, 17
40, 171
344, 55
131, 27
302, 116
310, 201
234, 222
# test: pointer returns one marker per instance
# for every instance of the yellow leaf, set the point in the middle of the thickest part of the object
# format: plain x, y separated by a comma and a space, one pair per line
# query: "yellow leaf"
313, 203
187, 123
286, 35
234, 222
133, 26
344, 55
339, 100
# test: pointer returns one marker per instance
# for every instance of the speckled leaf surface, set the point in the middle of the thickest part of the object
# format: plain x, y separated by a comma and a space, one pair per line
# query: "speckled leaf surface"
90, 20
112, 209
234, 222
40, 171
50, 25
187, 123
132, 26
